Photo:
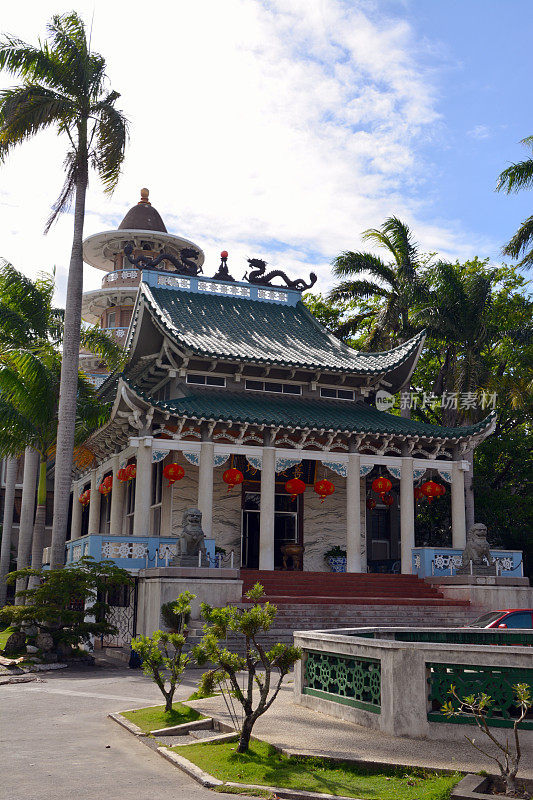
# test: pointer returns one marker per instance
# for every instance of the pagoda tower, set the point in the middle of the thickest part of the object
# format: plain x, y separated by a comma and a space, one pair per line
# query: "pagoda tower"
142, 234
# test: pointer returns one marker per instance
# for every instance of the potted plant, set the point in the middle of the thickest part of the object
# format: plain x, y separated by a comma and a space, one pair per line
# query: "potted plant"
335, 558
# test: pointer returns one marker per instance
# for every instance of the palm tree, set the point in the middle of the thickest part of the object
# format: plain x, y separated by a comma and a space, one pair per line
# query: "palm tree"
64, 86
516, 177
31, 325
457, 315
29, 401
394, 284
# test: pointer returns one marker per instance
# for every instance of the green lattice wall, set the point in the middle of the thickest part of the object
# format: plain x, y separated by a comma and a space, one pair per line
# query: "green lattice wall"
497, 682
344, 679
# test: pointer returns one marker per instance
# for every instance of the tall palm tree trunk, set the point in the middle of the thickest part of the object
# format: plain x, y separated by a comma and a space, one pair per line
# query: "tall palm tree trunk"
39, 525
31, 465
69, 375
7, 525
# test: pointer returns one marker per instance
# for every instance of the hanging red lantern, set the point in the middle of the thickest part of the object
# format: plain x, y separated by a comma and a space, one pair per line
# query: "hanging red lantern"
131, 472
432, 489
381, 486
370, 503
295, 487
232, 477
173, 473
106, 485
324, 488
122, 475
85, 497
388, 499
419, 494
441, 491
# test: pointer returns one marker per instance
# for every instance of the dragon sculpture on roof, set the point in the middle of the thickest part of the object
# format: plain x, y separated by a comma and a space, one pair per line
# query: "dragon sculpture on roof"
185, 265
258, 277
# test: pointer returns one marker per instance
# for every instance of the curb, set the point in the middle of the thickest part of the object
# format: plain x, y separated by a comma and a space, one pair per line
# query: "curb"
130, 726
360, 762
194, 772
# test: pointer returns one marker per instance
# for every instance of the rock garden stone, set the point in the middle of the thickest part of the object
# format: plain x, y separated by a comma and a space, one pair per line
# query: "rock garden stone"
15, 642
44, 642
30, 648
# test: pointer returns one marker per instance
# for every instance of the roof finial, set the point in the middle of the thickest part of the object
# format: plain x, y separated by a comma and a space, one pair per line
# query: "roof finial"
144, 197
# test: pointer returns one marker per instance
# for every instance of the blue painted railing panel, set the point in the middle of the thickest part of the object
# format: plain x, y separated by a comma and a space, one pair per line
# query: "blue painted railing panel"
130, 552
439, 561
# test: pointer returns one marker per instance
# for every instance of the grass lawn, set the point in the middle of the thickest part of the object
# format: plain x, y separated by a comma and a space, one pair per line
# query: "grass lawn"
263, 765
4, 636
155, 717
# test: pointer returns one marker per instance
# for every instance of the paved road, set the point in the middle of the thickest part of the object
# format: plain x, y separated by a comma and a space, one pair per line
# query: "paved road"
56, 740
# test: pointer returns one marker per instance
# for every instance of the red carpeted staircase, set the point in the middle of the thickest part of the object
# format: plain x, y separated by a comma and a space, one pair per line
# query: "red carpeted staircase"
341, 588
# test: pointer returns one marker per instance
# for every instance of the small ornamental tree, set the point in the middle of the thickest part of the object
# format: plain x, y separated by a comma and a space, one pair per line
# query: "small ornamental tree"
176, 614
264, 669
478, 707
70, 604
163, 652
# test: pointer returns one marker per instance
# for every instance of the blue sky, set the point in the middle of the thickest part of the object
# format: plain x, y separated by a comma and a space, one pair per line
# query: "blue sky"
281, 129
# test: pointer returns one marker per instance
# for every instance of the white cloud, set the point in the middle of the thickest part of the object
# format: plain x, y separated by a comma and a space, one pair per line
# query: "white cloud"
279, 129
479, 132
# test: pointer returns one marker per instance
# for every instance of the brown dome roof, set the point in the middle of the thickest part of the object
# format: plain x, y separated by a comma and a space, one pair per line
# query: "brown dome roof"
143, 217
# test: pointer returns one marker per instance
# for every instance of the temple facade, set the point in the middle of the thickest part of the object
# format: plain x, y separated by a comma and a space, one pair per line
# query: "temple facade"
231, 378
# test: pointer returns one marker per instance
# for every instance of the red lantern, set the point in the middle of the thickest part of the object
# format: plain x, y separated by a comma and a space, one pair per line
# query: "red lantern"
106, 485
295, 487
232, 477
173, 473
122, 475
419, 494
370, 503
381, 486
85, 497
324, 488
442, 490
432, 489
131, 471
388, 499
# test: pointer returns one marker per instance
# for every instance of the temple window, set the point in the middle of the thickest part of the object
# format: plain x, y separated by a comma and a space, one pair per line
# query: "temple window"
271, 386
338, 394
206, 380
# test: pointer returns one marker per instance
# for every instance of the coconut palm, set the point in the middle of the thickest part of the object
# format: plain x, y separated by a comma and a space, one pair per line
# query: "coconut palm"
29, 403
64, 86
393, 284
519, 176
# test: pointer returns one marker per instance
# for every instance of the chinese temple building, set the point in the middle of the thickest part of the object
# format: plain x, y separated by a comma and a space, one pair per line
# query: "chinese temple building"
225, 372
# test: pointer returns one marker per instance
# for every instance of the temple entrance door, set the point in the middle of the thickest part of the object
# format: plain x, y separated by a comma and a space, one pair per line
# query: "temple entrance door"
286, 527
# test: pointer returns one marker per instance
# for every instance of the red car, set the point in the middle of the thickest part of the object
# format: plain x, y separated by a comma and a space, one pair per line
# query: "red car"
507, 618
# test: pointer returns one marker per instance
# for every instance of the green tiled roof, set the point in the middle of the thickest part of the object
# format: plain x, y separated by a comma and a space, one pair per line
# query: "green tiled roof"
300, 412
261, 332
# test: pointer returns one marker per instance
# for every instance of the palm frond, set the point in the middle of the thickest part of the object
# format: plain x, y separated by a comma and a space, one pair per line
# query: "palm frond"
100, 343
26, 110
352, 263
351, 326
111, 140
32, 64
515, 177
518, 245
351, 290
405, 249
64, 200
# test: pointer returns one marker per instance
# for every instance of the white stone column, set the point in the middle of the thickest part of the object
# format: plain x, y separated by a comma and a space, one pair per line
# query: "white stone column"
205, 487
407, 516
118, 493
94, 505
266, 522
143, 487
7, 525
458, 507
77, 511
353, 513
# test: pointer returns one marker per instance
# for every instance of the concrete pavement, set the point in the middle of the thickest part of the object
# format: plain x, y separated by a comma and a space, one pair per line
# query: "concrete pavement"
56, 742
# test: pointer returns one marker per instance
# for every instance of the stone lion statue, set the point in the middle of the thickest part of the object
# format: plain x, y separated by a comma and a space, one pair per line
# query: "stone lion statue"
477, 548
192, 536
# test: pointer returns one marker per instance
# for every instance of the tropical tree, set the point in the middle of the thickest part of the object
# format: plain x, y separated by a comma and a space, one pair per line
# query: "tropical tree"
64, 85
392, 285
513, 179
29, 401
31, 331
